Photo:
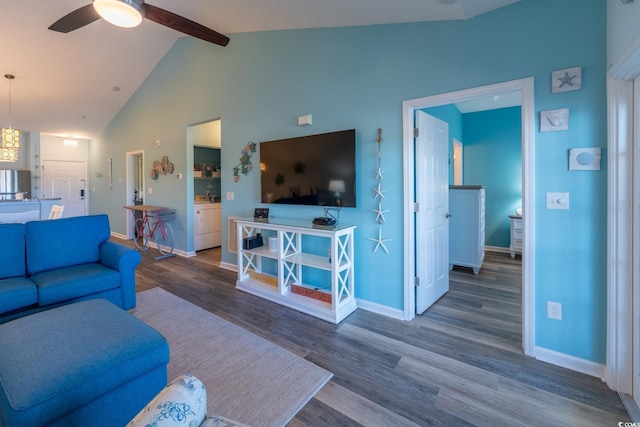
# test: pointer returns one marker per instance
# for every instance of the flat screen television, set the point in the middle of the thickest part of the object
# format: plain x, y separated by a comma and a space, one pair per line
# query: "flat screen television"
317, 170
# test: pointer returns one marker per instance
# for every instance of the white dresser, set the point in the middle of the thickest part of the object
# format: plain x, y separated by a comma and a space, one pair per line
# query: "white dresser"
515, 245
466, 226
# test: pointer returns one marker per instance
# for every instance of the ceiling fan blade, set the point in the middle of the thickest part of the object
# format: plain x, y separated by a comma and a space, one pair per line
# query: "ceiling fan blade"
76, 19
184, 25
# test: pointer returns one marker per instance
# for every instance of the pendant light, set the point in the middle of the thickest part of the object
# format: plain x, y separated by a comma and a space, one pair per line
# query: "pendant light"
10, 137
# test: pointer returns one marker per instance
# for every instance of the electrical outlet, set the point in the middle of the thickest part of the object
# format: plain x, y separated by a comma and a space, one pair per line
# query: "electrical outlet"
554, 310
230, 195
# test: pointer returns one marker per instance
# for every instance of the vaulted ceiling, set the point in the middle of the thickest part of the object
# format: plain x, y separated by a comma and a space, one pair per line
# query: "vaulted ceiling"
73, 84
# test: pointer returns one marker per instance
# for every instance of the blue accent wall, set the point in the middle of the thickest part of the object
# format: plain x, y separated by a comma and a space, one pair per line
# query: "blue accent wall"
493, 157
358, 78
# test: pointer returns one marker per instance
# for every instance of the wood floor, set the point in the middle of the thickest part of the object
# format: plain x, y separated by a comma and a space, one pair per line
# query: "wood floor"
460, 364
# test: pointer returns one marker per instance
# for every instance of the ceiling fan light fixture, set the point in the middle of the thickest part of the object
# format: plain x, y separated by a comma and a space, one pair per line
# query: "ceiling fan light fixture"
122, 13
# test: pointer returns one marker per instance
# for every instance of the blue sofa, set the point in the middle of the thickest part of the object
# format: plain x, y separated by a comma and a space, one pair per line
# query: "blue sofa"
45, 264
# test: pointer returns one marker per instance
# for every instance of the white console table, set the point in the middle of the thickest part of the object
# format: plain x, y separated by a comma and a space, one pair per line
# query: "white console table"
310, 270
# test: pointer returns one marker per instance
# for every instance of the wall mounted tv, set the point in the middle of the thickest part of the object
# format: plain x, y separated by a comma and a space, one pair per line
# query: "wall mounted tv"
315, 170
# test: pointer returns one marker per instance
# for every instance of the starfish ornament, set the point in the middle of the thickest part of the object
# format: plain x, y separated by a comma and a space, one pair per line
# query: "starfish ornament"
380, 213
378, 192
379, 173
566, 79
379, 241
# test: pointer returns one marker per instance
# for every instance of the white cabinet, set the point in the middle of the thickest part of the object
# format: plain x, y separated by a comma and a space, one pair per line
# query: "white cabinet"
207, 225
466, 226
515, 244
310, 269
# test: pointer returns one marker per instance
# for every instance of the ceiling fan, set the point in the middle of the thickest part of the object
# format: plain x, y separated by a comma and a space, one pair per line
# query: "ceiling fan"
129, 13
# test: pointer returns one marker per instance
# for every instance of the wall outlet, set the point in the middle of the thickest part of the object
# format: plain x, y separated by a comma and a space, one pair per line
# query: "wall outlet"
230, 195
554, 310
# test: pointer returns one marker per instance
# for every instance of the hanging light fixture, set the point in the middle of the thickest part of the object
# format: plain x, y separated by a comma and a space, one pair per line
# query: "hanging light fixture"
10, 137
122, 13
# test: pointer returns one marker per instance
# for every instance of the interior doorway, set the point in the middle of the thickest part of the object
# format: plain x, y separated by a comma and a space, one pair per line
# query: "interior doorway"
457, 162
135, 186
67, 181
524, 88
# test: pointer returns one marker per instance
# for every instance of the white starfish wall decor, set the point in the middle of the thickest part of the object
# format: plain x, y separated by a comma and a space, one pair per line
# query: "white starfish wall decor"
380, 241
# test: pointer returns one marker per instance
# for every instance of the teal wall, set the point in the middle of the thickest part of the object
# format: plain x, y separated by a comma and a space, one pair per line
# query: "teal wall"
493, 157
358, 78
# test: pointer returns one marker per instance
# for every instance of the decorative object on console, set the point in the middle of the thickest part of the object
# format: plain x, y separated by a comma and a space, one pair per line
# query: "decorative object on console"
554, 120
252, 242
245, 165
261, 213
161, 167
378, 196
566, 80
10, 137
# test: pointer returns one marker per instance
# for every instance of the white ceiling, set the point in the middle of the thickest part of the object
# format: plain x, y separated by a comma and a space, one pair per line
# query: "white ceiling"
73, 84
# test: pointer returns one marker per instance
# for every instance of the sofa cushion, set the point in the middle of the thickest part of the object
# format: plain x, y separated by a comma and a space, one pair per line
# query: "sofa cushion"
65, 242
12, 250
72, 282
75, 354
17, 292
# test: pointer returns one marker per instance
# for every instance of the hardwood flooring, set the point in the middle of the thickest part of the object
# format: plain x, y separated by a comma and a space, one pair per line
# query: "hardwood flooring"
459, 364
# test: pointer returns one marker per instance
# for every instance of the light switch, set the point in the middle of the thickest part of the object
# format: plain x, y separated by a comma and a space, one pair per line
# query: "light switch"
557, 200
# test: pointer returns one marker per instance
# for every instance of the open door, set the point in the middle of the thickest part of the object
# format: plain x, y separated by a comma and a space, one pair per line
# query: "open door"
432, 216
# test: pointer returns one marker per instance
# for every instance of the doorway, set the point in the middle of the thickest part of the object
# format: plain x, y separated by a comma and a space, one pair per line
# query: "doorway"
457, 162
66, 180
525, 89
135, 186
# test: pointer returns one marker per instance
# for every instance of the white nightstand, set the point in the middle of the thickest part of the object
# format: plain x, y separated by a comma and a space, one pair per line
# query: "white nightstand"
515, 246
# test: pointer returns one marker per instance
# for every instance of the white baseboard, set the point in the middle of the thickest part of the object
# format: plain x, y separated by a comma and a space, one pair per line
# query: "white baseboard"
570, 362
153, 245
380, 309
497, 249
631, 407
228, 266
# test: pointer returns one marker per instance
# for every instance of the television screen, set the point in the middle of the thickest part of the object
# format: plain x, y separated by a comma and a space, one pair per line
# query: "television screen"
310, 170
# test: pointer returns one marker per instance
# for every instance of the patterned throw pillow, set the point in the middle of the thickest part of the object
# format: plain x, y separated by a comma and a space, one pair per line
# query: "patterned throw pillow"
182, 402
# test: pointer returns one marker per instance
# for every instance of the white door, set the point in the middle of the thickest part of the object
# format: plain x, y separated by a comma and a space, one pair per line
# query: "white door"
432, 196
65, 180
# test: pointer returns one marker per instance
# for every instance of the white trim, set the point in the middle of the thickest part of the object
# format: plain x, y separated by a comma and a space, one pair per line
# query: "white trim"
628, 67
499, 249
526, 88
129, 184
619, 369
153, 245
373, 307
631, 407
228, 266
118, 235
570, 362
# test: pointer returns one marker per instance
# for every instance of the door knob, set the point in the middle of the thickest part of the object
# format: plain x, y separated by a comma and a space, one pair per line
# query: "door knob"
448, 215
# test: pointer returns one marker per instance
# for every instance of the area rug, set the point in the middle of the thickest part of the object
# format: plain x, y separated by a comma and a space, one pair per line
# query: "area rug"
247, 378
